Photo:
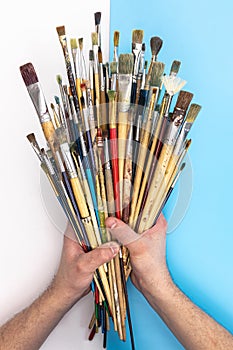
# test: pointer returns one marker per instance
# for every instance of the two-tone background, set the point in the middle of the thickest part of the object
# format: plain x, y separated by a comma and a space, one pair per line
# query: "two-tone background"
199, 250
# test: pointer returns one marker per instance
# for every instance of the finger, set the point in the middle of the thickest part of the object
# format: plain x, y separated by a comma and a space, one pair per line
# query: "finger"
100, 255
121, 231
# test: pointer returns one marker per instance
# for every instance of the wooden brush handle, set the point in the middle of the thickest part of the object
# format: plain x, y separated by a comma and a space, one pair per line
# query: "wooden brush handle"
127, 190
110, 192
103, 111
79, 197
156, 182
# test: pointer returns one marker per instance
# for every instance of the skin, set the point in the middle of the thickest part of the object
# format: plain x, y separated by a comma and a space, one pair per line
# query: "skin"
193, 328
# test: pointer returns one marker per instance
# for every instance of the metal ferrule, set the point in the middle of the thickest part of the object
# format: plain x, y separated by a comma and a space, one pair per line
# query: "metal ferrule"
129, 146
141, 63
39, 102
82, 142
86, 118
139, 123
113, 82
61, 166
124, 88
181, 138
68, 160
49, 165
137, 52
96, 61
115, 54
174, 127
81, 168
107, 164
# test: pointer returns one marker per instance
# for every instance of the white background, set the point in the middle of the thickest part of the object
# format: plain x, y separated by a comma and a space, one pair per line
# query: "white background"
30, 242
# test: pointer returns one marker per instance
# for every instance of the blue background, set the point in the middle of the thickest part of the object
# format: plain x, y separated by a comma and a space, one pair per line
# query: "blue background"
199, 251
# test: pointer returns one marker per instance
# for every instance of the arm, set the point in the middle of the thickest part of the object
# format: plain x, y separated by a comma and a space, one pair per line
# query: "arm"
192, 327
30, 328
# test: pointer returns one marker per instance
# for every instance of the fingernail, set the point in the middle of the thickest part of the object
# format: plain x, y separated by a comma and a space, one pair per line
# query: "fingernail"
113, 223
114, 250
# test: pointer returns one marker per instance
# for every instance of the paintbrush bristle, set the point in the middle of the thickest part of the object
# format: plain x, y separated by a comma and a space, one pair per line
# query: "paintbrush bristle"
126, 63
111, 95
28, 74
155, 45
80, 42
187, 144
116, 38
31, 138
137, 36
61, 30
91, 55
193, 113
52, 106
59, 79
97, 18
94, 38
113, 67
157, 73
173, 84
183, 100
175, 67
73, 43
57, 100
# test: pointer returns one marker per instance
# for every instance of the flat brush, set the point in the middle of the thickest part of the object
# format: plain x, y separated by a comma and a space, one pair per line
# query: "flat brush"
116, 38
94, 38
35, 92
63, 41
137, 38
57, 121
97, 26
91, 74
74, 51
114, 71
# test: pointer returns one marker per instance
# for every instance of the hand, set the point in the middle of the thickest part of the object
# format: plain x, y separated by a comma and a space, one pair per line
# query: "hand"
147, 253
76, 269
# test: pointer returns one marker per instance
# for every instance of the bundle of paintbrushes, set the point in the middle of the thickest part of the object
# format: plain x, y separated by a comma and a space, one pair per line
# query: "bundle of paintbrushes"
114, 147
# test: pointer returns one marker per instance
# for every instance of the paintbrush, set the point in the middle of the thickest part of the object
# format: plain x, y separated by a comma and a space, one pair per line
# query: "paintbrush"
137, 38
126, 64
91, 74
114, 149
103, 109
116, 38
82, 61
56, 118
182, 104
75, 51
64, 111
114, 70
36, 94
97, 26
186, 127
94, 38
155, 45
91, 110
62, 38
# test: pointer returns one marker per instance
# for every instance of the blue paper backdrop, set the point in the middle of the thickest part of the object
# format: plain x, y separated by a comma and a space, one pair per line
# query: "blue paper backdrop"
199, 251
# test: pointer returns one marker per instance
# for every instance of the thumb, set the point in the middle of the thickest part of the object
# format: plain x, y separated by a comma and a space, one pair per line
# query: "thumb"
121, 231
100, 255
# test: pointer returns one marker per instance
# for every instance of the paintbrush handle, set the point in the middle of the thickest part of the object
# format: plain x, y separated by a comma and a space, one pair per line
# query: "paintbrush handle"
103, 110
110, 192
127, 190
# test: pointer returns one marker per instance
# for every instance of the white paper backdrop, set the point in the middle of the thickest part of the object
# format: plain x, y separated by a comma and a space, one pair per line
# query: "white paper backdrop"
30, 243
